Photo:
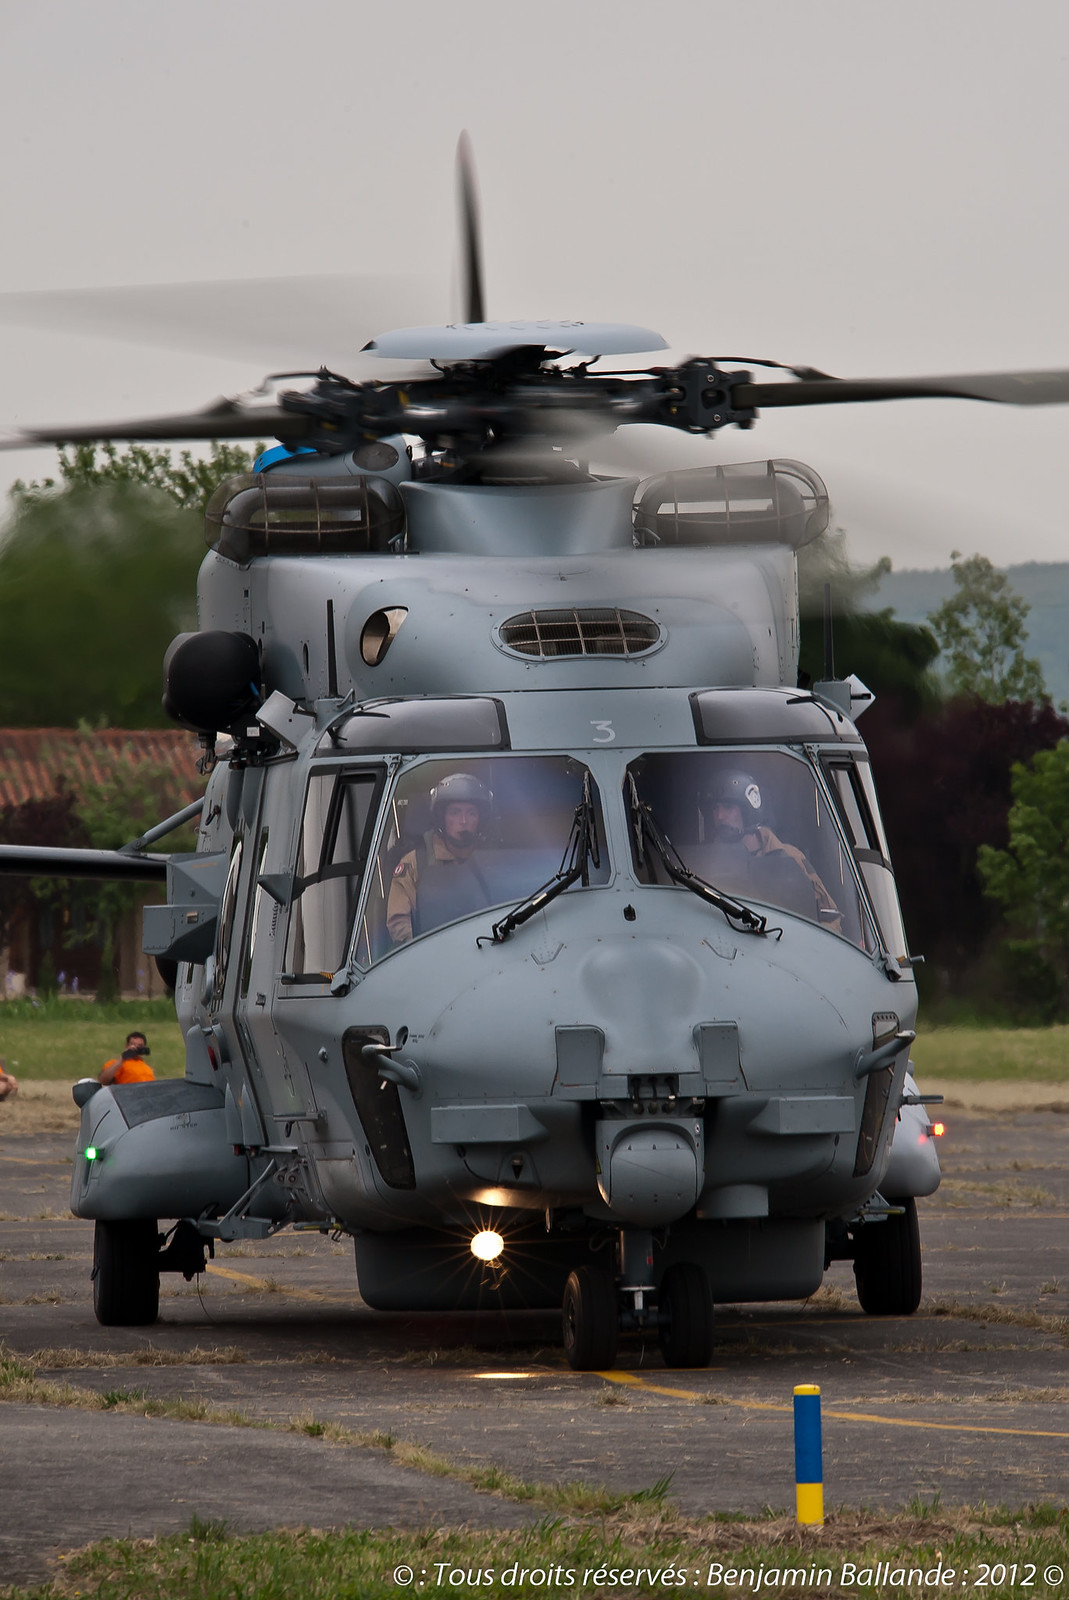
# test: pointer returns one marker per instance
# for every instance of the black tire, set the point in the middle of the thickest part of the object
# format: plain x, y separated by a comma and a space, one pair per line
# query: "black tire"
126, 1277
887, 1264
685, 1316
591, 1320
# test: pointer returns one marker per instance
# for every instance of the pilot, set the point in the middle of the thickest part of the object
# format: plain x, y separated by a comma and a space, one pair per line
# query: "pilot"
441, 878
131, 1066
744, 856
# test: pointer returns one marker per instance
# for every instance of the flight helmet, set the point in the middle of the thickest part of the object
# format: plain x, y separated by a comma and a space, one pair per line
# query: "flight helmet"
460, 786
734, 787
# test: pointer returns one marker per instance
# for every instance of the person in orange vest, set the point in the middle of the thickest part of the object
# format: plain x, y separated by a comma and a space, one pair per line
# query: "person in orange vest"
9, 1086
131, 1066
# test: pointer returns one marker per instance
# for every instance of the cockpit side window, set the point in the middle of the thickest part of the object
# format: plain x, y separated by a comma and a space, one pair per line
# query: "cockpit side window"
467, 834
755, 825
339, 819
852, 785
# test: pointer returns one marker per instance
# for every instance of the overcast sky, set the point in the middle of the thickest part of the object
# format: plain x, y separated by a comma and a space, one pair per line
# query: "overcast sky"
869, 188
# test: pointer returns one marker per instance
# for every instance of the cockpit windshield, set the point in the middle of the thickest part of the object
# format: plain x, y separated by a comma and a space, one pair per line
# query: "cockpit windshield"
753, 824
467, 834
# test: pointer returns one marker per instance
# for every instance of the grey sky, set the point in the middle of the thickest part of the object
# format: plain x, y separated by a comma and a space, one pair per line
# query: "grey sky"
870, 188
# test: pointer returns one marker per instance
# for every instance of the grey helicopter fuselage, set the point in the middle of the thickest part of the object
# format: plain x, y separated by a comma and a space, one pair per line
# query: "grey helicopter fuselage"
629, 1058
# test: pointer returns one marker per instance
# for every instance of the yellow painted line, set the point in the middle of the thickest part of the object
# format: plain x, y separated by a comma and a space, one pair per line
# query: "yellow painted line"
267, 1287
630, 1380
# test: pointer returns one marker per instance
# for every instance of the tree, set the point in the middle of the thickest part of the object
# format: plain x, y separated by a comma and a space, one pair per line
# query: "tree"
1030, 879
946, 788
981, 632
97, 575
189, 482
51, 821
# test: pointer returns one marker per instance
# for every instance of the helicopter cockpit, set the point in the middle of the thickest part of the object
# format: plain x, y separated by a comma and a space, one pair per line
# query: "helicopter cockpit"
755, 825
775, 825
421, 880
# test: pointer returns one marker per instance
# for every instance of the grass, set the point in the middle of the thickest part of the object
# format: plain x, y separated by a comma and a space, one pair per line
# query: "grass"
650, 1553
68, 1039
61, 1040
984, 1055
588, 1542
71, 1039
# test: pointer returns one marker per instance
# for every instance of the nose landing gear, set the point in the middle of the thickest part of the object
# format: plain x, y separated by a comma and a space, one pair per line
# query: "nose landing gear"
685, 1316
591, 1320
598, 1305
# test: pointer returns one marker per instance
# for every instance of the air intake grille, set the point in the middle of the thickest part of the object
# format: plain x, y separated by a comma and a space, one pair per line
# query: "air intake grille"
595, 631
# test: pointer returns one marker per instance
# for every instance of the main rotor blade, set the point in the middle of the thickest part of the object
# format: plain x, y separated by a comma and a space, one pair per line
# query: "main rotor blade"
223, 419
471, 270
1047, 388
312, 321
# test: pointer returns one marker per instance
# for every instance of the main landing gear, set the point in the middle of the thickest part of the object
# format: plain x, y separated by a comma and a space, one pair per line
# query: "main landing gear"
887, 1263
126, 1273
885, 1248
128, 1257
599, 1304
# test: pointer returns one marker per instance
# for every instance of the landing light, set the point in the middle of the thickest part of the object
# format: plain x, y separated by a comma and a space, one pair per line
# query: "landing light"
487, 1246
938, 1129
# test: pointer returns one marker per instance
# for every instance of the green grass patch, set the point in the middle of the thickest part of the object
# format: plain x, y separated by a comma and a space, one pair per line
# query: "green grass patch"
1027, 1055
69, 1039
1016, 1550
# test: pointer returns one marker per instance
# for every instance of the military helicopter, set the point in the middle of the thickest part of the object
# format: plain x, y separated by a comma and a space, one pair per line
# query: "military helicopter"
542, 934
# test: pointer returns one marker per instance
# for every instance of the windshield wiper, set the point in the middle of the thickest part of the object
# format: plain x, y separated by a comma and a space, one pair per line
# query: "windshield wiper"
580, 853
647, 830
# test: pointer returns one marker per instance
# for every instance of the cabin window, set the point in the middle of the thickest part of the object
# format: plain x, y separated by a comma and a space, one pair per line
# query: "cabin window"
507, 837
754, 824
851, 783
339, 818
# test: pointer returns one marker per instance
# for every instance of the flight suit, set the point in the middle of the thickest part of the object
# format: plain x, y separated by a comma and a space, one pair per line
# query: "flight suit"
762, 865
431, 885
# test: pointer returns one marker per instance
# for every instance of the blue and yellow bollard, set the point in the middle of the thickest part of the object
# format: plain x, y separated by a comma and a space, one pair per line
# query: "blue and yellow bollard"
808, 1457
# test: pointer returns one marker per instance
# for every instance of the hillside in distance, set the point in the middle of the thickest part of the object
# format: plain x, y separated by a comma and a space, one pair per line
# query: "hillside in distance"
914, 594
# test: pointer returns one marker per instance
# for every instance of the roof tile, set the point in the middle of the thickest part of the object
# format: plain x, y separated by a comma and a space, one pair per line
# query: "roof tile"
33, 760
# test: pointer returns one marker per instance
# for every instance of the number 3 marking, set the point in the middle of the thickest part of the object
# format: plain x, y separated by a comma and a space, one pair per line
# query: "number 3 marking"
606, 732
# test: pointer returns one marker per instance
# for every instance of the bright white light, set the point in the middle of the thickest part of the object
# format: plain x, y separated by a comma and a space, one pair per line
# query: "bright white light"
487, 1246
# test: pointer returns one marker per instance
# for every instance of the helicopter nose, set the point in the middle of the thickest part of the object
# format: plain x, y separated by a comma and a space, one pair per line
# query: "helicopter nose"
644, 990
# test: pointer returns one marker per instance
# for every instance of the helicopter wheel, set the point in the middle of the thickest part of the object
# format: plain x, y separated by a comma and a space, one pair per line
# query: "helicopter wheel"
887, 1264
685, 1316
591, 1320
126, 1278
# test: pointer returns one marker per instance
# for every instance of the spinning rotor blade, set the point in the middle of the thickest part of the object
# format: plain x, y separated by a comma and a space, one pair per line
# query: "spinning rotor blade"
223, 419
471, 272
1045, 388
272, 321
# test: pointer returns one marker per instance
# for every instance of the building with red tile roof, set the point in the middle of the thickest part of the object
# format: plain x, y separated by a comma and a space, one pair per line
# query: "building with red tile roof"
36, 762
40, 764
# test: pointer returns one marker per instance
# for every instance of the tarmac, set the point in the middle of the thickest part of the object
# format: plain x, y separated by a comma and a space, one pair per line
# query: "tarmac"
966, 1400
